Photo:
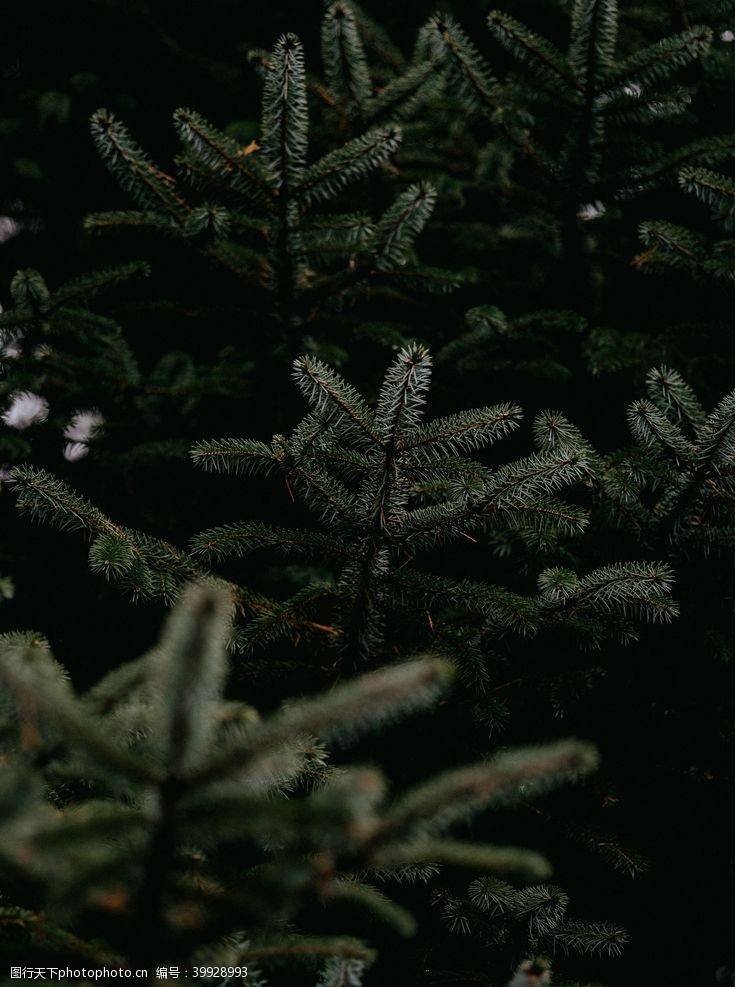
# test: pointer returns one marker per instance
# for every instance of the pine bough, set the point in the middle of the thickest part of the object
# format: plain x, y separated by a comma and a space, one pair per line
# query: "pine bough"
385, 486
265, 215
152, 821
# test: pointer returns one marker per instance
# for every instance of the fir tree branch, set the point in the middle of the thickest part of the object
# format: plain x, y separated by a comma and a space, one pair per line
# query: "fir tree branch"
540, 55
433, 807
285, 116
147, 184
221, 154
345, 64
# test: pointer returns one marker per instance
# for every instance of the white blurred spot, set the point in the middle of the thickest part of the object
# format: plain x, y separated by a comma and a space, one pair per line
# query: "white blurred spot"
74, 451
10, 348
591, 210
9, 228
633, 90
727, 36
84, 425
25, 409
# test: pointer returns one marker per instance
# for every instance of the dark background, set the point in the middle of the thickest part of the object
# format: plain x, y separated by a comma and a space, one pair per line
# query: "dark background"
658, 717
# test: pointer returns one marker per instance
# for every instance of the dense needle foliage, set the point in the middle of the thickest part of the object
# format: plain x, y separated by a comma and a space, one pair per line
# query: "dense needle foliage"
403, 355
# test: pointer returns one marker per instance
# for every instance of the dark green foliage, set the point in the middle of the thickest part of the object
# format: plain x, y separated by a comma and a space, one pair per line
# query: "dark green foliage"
386, 486
597, 84
70, 381
266, 222
677, 483
52, 343
514, 159
533, 344
572, 117
514, 922
669, 246
195, 828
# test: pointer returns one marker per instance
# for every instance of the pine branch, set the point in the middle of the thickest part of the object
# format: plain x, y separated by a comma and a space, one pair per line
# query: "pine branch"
651, 427
593, 40
342, 948
717, 435
285, 115
465, 432
129, 219
28, 674
151, 188
238, 456
327, 392
470, 73
670, 392
402, 397
471, 855
541, 57
399, 226
543, 906
435, 806
657, 62
704, 152
537, 475
93, 282
710, 187
147, 566
44, 935
376, 698
376, 39
343, 55
240, 539
374, 901
187, 675
638, 588
590, 938
402, 97
348, 163
669, 245
221, 155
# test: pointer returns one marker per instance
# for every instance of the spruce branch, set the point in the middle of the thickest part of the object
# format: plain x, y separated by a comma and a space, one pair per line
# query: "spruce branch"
269, 216
327, 392
593, 40
500, 859
591, 938
403, 395
714, 189
240, 539
651, 427
348, 710
433, 807
671, 393
374, 901
221, 155
390, 485
659, 61
347, 164
399, 226
343, 55
471, 74
542, 58
285, 114
204, 797
147, 184
147, 566
238, 456
464, 432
